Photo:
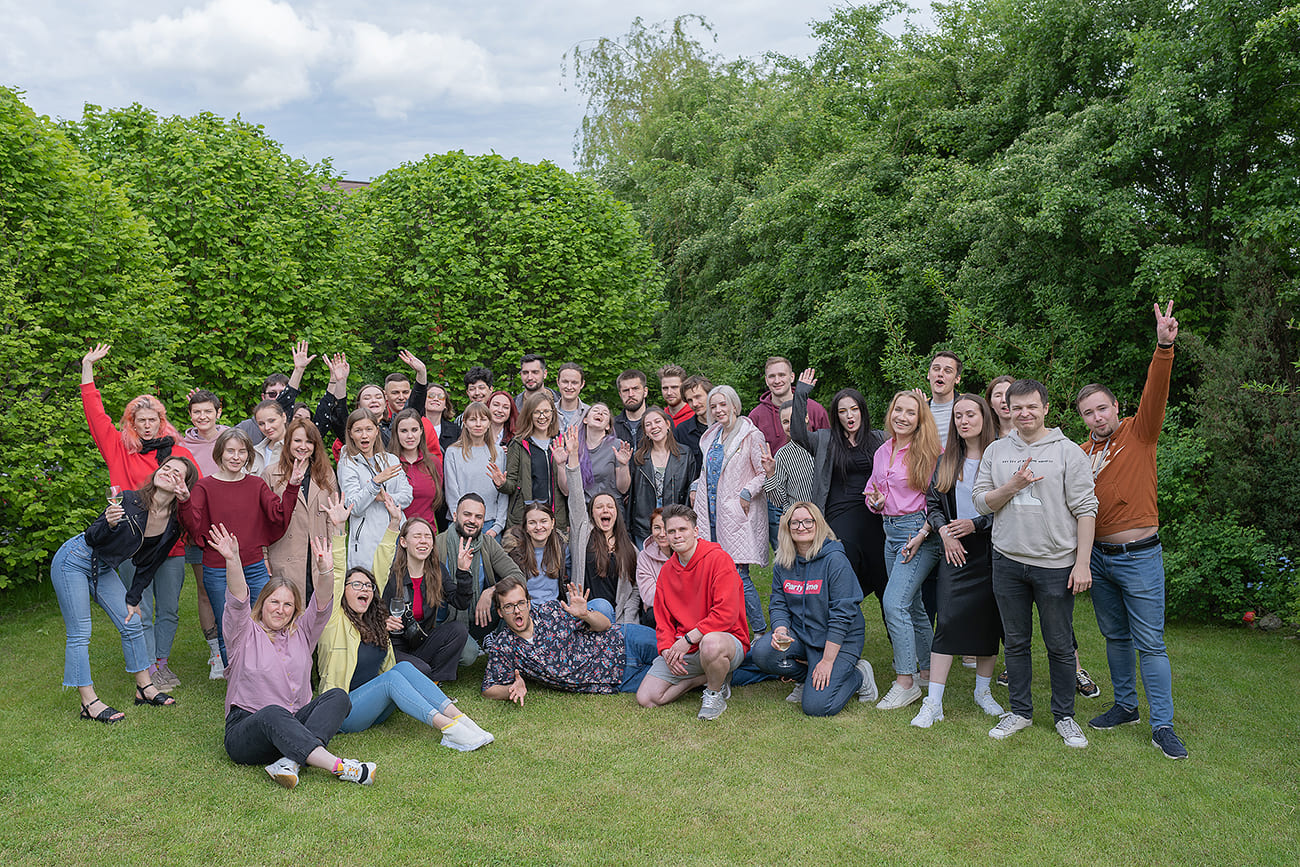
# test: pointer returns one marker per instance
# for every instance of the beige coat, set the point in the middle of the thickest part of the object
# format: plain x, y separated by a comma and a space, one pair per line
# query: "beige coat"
291, 555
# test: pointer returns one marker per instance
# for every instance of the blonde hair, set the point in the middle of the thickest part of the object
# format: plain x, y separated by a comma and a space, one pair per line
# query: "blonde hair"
270, 587
476, 408
925, 448
786, 552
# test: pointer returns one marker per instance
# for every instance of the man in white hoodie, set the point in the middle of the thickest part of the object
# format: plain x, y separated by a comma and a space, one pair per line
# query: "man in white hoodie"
1038, 486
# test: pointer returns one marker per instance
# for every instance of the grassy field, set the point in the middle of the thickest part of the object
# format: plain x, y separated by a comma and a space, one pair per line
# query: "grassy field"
587, 779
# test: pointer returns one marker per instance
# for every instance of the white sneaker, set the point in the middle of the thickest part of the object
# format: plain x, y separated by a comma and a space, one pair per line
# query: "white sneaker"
868, 690
796, 695
1070, 732
284, 771
464, 735
899, 696
968, 661
484, 733
713, 704
930, 713
216, 668
353, 771
984, 698
1009, 725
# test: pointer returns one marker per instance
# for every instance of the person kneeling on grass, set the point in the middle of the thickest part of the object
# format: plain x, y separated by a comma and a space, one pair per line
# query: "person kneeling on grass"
269, 708
568, 645
355, 653
817, 626
700, 624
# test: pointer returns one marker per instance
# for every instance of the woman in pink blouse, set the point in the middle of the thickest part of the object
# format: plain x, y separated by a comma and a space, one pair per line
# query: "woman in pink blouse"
900, 476
270, 714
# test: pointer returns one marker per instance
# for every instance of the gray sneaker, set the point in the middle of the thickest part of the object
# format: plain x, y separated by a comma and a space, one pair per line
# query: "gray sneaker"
713, 704
868, 691
1010, 723
1070, 732
796, 694
164, 678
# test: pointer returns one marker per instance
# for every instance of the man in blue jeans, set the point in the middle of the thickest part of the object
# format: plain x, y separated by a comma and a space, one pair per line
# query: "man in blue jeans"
566, 645
1038, 486
1128, 572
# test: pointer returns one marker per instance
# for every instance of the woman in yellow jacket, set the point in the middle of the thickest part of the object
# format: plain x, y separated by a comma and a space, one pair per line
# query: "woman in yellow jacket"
355, 653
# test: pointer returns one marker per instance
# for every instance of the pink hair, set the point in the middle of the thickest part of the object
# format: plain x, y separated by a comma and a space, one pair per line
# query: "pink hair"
130, 437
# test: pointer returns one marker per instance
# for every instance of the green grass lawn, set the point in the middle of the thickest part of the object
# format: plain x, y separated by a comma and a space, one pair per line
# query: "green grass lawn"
583, 779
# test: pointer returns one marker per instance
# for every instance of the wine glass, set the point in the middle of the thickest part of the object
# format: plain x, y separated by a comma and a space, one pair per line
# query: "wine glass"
114, 495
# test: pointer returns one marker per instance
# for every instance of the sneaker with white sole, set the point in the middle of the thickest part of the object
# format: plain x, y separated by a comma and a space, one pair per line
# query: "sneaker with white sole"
1084, 685
726, 690
796, 694
164, 678
1118, 715
484, 733
713, 704
284, 771
1010, 723
1164, 739
1003, 679
353, 771
930, 713
463, 735
216, 668
968, 661
987, 703
1070, 732
868, 690
899, 696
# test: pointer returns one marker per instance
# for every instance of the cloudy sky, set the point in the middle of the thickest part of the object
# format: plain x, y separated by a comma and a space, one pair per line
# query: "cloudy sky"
369, 85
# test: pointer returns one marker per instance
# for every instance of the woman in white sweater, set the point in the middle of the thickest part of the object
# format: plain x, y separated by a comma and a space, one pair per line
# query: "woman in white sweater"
365, 469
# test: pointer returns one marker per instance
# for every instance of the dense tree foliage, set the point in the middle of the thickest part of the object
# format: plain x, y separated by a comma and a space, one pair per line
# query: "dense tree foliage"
1017, 184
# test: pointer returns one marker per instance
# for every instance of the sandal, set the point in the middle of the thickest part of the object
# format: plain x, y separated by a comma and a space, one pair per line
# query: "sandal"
160, 699
108, 715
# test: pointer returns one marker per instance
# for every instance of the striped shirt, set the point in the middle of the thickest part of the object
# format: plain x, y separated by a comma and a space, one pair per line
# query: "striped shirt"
792, 479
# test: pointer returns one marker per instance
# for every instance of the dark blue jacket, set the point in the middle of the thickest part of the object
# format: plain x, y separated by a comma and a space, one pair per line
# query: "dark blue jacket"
113, 546
817, 600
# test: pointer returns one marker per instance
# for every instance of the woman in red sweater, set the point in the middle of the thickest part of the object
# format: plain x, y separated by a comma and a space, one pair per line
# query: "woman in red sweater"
134, 453
423, 467
248, 508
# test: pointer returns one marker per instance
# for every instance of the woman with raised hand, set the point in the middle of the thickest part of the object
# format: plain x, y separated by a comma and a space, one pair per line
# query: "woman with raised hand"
356, 652
144, 443
270, 713
530, 476
996, 397
602, 458
505, 417
290, 555
365, 470
817, 625
968, 620
842, 456
408, 569
900, 476
244, 503
467, 468
662, 473
728, 495
142, 528
423, 467
649, 560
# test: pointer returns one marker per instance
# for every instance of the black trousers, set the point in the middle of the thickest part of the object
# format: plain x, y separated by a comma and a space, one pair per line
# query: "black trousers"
438, 656
261, 737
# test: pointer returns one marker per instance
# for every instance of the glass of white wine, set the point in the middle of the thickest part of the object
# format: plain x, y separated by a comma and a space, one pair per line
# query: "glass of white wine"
114, 495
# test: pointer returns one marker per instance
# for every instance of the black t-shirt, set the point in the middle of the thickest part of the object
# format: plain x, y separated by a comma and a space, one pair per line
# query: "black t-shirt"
540, 460
602, 588
369, 658
846, 491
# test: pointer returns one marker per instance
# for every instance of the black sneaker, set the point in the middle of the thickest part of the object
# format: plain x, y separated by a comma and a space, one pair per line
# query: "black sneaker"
1168, 743
1116, 716
1003, 680
1084, 684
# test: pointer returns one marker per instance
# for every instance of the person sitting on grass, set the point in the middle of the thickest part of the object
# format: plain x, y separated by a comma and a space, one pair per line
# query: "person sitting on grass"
269, 708
700, 624
142, 528
567, 645
355, 652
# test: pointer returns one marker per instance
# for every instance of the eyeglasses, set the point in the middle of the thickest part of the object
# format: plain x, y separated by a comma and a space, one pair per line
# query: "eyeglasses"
803, 524
512, 607
542, 413
359, 585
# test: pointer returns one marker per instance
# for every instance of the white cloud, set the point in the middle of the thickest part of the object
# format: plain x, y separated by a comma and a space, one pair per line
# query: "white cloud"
396, 72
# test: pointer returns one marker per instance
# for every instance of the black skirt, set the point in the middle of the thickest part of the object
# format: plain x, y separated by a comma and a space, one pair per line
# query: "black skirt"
968, 619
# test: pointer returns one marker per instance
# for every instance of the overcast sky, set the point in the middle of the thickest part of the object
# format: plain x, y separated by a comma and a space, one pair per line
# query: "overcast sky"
370, 85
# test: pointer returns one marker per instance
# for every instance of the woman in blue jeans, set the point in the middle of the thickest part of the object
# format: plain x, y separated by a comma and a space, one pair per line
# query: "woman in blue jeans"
355, 653
141, 529
900, 477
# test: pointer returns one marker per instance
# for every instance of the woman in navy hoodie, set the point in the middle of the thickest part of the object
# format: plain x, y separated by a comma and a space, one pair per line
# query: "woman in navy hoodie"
817, 626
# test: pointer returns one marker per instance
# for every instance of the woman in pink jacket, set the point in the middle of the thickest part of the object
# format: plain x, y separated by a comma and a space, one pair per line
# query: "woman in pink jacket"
728, 495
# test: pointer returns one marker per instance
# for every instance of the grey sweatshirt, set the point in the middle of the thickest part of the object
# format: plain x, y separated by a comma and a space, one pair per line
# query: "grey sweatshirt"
1039, 525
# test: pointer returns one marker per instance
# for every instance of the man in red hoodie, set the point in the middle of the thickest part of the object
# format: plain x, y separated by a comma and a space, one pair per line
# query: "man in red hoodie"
700, 625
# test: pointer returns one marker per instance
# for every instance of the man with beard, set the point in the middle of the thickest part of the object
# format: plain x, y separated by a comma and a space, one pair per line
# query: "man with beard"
566, 645
532, 371
670, 388
631, 390
490, 564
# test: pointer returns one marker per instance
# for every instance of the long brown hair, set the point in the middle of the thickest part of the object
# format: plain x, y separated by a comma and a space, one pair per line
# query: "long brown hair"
954, 457
531, 403
371, 623
624, 551
431, 583
146, 491
318, 465
643, 450
924, 449
423, 462
519, 545
476, 408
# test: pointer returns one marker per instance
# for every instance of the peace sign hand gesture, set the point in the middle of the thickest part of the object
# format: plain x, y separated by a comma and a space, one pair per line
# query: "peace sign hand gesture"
1166, 324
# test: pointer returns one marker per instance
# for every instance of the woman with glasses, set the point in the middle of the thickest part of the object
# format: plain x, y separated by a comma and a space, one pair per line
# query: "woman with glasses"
530, 476
817, 626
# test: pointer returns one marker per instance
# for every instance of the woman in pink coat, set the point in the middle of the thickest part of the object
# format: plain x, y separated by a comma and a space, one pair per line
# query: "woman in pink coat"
728, 495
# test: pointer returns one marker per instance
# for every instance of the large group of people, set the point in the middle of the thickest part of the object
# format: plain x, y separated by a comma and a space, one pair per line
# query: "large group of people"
592, 552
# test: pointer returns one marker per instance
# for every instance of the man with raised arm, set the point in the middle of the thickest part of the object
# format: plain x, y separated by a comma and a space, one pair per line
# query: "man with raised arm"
1038, 487
1128, 571
700, 623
